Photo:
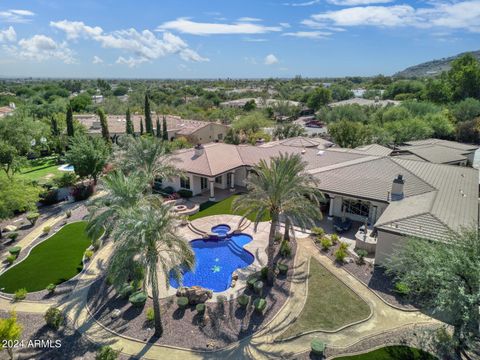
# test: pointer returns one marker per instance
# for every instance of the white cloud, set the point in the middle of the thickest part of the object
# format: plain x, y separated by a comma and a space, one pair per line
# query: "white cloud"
41, 48
357, 2
97, 60
249, 19
16, 16
285, 25
187, 26
309, 34
250, 60
142, 45
462, 15
270, 59
306, 3
250, 39
8, 35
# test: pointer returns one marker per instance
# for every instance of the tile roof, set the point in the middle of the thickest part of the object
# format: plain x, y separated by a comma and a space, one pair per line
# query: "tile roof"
301, 141
446, 143
436, 153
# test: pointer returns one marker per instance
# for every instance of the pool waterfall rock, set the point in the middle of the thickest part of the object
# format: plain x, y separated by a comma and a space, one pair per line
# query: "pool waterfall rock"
195, 294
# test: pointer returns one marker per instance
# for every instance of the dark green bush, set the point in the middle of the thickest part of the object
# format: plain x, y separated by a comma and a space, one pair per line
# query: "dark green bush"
402, 288
187, 194
106, 353
10, 259
282, 268
285, 249
168, 190
264, 273
260, 305
54, 318
258, 287
200, 308
182, 302
317, 346
138, 298
251, 281
126, 290
243, 300
13, 236
15, 250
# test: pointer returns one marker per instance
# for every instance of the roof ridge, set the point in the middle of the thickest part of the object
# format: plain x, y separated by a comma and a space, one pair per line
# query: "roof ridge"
392, 158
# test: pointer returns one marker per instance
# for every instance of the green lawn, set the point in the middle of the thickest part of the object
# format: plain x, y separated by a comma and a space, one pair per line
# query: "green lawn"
42, 170
55, 260
392, 353
218, 208
330, 304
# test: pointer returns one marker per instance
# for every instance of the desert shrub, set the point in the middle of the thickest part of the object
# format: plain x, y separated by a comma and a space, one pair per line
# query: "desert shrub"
54, 318
251, 281
187, 194
88, 254
326, 243
318, 231
68, 214
285, 249
33, 217
243, 300
15, 250
258, 287
106, 353
402, 288
51, 288
13, 236
138, 298
260, 304
182, 302
20, 294
341, 253
126, 290
200, 308
334, 238
10, 259
361, 256
150, 314
317, 346
282, 268
66, 180
278, 237
46, 229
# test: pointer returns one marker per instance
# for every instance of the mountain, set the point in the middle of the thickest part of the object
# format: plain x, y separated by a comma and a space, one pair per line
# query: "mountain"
432, 68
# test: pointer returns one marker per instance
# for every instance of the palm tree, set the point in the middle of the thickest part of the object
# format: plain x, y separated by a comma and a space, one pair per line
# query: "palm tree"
149, 156
275, 188
146, 236
122, 192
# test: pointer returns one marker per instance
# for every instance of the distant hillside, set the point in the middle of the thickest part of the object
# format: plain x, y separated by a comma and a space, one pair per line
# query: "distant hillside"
432, 68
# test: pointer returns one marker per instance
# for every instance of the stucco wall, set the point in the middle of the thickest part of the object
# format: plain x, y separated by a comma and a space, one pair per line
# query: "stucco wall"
209, 133
387, 243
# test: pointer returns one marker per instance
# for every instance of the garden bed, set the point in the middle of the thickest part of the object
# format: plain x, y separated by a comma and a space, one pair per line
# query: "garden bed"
182, 328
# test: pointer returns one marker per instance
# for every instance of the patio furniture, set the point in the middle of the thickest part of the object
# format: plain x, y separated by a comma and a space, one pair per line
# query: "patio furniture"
341, 225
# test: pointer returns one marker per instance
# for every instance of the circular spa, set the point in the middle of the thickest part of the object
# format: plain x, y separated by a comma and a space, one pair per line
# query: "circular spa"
217, 257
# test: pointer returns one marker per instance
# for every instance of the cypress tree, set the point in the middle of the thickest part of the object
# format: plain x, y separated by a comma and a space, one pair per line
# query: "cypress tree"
129, 125
104, 124
159, 129
148, 117
54, 127
70, 129
165, 130
141, 127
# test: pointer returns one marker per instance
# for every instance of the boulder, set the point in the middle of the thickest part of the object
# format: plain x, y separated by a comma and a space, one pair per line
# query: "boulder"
10, 228
115, 313
195, 294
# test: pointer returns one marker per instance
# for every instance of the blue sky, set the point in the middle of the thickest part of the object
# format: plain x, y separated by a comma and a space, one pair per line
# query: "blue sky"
227, 38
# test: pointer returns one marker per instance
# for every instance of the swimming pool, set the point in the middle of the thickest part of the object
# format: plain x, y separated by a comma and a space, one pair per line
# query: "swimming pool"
66, 167
216, 259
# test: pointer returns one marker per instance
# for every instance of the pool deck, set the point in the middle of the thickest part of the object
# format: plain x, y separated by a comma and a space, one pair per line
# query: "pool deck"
257, 247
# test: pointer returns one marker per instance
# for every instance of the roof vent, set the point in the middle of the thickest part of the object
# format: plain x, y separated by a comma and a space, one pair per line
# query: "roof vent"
199, 149
397, 188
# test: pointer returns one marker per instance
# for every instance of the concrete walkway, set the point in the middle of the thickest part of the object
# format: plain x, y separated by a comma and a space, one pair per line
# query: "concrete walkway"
261, 345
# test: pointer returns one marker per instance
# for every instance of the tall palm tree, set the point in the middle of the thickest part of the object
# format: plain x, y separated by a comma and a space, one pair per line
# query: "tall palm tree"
149, 156
145, 235
274, 188
122, 192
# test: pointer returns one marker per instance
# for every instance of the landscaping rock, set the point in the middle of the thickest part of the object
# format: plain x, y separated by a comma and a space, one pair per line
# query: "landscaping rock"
116, 313
10, 228
195, 294
234, 282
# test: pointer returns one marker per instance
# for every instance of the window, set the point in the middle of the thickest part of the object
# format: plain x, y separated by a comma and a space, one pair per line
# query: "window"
203, 183
185, 183
218, 180
356, 207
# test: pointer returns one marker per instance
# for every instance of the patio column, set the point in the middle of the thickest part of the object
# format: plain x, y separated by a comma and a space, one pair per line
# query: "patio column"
232, 182
212, 190
330, 208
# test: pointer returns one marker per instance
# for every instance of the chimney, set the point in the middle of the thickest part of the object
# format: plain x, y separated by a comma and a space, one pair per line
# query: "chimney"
199, 150
397, 188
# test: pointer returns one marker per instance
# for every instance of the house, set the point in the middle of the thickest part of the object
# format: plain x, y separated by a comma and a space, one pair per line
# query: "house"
302, 142
371, 149
7, 110
364, 102
437, 151
396, 197
196, 132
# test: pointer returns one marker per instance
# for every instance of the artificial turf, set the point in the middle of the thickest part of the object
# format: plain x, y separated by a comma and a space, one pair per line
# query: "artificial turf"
221, 207
53, 261
392, 353
330, 304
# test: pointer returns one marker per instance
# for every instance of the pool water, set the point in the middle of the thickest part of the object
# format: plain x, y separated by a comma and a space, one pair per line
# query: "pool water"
216, 259
66, 168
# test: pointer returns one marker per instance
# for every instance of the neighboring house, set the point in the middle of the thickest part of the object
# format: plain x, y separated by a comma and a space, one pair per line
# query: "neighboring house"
365, 102
261, 103
302, 142
97, 99
397, 197
197, 132
7, 110
372, 149
437, 151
